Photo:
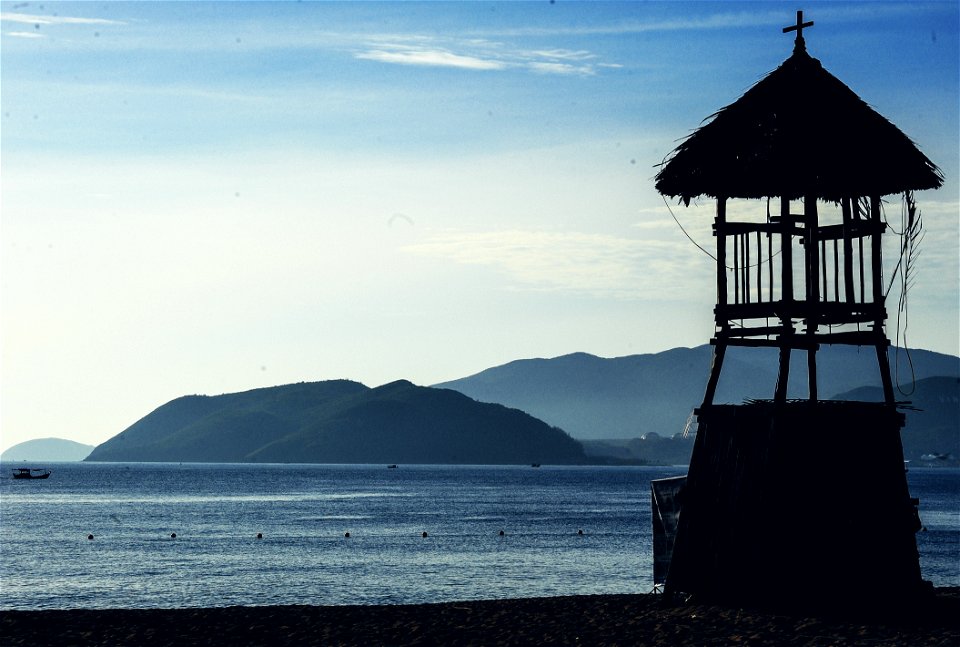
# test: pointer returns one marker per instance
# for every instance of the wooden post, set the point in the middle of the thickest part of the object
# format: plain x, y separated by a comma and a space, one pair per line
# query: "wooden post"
824, 290
745, 247
759, 268
770, 264
719, 350
721, 221
836, 272
847, 252
736, 268
813, 288
720, 346
879, 300
786, 299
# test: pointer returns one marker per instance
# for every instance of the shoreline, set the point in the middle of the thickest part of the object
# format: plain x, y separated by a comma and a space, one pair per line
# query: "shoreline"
626, 619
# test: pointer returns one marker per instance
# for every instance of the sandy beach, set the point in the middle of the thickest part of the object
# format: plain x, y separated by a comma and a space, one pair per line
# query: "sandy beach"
575, 620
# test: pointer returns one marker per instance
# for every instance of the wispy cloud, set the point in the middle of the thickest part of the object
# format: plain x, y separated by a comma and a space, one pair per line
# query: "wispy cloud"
597, 265
560, 68
478, 54
434, 58
35, 19
23, 34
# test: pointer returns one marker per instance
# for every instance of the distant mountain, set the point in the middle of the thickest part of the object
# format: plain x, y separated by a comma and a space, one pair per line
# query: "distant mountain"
932, 432
47, 449
340, 422
596, 398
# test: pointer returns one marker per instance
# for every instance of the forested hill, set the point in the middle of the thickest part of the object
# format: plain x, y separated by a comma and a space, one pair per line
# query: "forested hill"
340, 422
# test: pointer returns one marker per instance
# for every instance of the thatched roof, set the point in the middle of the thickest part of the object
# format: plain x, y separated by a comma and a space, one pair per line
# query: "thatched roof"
799, 131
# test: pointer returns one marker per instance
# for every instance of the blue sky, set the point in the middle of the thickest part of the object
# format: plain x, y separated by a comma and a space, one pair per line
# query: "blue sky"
213, 197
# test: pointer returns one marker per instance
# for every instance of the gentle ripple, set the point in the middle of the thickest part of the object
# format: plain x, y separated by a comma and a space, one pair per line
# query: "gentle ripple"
303, 512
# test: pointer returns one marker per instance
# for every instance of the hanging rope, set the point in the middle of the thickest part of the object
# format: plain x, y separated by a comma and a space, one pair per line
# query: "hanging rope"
689, 237
911, 235
698, 246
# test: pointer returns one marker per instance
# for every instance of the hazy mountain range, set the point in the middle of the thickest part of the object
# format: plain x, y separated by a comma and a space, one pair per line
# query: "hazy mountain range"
629, 397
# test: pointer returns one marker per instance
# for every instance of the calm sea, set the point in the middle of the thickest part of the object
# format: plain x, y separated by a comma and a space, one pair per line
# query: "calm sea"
304, 511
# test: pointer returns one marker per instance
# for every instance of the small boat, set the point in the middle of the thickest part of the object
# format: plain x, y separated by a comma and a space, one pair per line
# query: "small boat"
29, 473
534, 464
391, 467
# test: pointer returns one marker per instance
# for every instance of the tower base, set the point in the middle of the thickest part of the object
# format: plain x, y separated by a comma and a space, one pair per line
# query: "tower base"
800, 504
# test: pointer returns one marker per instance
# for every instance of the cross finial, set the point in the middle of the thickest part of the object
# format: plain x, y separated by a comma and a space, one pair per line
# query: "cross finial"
799, 43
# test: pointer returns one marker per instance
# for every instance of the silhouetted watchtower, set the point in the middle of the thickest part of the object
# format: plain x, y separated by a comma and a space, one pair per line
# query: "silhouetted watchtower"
789, 498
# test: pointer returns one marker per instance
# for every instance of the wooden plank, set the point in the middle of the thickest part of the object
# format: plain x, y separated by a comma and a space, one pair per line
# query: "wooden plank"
856, 229
852, 338
749, 311
749, 331
829, 313
732, 228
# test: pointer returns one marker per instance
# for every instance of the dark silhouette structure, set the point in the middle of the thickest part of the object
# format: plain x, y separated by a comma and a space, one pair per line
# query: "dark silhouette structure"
764, 515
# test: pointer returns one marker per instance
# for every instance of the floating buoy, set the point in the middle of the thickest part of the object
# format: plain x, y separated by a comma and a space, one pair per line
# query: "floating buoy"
580, 532
173, 535
501, 533
259, 535
424, 535
347, 535
89, 536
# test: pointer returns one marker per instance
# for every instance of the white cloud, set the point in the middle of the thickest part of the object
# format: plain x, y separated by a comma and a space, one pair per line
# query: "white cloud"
23, 34
478, 54
31, 19
435, 58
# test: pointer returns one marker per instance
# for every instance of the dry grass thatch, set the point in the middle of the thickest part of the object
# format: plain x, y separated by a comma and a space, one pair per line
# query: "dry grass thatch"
799, 131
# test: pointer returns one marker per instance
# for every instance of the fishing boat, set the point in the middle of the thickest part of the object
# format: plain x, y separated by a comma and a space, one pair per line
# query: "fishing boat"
30, 473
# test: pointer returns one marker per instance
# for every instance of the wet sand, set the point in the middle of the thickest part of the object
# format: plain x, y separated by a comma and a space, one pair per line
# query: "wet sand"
575, 620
